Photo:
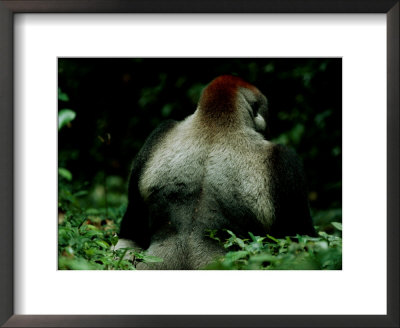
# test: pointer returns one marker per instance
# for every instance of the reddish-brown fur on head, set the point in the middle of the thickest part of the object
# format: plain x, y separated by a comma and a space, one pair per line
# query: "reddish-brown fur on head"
219, 97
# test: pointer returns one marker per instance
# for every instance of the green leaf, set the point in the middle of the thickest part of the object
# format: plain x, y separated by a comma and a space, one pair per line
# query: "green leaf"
253, 238
91, 233
62, 95
65, 173
69, 250
234, 256
323, 234
114, 240
76, 264
102, 243
337, 225
274, 239
166, 110
296, 133
263, 258
240, 242
151, 259
81, 193
322, 244
213, 234
231, 233
90, 252
87, 227
65, 116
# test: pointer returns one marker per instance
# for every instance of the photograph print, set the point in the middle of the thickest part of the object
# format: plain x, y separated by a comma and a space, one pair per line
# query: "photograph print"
199, 163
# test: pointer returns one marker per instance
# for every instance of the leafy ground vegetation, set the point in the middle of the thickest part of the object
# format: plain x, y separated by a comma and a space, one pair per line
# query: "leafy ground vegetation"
86, 235
293, 253
108, 107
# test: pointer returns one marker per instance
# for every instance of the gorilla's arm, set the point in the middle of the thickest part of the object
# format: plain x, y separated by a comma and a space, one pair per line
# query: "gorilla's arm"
135, 223
289, 194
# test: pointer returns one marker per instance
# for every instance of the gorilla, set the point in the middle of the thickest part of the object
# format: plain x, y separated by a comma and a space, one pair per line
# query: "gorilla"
213, 170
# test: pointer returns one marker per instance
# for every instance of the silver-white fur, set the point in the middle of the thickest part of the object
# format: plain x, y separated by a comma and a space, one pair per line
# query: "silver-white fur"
222, 161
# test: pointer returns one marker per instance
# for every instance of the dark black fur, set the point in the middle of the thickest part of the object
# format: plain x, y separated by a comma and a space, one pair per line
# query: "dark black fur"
289, 194
135, 223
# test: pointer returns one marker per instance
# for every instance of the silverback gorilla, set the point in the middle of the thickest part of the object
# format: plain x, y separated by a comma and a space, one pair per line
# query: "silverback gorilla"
213, 170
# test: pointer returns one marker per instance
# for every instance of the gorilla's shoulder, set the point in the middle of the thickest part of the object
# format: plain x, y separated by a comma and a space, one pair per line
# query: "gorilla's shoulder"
154, 138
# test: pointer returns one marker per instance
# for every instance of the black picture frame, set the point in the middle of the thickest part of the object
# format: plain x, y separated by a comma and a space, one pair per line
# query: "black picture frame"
10, 7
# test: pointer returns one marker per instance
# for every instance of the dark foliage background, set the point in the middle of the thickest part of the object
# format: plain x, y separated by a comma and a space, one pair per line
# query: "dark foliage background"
119, 101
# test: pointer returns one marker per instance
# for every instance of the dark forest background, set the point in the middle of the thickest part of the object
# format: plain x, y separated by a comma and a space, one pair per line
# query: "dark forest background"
117, 102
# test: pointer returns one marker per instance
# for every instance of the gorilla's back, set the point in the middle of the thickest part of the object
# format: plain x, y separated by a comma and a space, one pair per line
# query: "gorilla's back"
195, 182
